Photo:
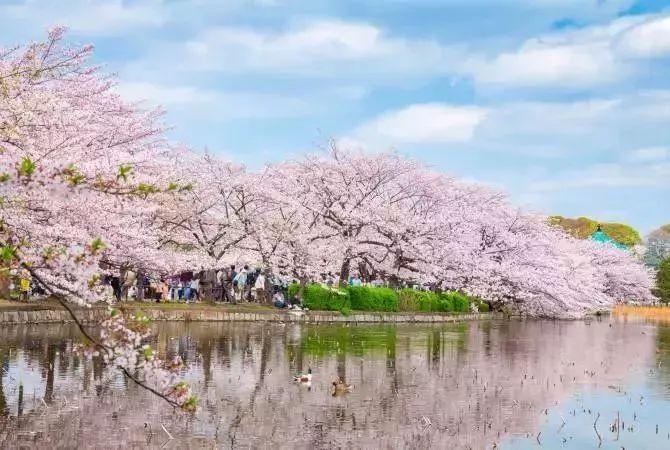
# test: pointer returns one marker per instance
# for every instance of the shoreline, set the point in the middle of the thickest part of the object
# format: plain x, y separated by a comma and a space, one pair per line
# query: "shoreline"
48, 312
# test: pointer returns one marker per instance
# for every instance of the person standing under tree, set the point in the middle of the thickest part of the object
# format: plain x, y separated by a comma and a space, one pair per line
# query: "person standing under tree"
251, 283
240, 282
226, 277
195, 288
24, 286
259, 287
129, 281
220, 292
165, 291
116, 287
233, 275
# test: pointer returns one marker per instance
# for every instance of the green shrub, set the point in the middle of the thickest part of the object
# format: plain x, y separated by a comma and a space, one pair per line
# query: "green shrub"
408, 300
293, 289
345, 311
458, 302
414, 300
446, 304
364, 298
319, 298
367, 298
482, 306
430, 302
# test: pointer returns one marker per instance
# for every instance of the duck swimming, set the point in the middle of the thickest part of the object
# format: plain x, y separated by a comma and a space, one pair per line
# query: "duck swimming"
340, 387
304, 377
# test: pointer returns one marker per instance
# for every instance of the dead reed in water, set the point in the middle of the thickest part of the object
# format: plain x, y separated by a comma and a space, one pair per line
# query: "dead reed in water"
652, 313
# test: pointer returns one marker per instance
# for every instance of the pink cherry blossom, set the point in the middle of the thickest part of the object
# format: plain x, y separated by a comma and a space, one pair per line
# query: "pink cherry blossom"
79, 168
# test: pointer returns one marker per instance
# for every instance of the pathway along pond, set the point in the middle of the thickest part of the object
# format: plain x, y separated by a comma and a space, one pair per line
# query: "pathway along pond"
472, 385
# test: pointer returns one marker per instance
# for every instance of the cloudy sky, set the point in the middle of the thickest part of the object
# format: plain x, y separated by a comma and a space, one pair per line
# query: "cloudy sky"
564, 104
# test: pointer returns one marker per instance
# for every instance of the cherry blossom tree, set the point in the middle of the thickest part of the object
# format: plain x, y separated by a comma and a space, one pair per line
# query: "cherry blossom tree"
78, 171
231, 216
206, 222
393, 218
364, 209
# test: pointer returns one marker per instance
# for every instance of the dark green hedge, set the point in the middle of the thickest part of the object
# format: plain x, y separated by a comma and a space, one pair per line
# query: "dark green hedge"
366, 298
451, 301
319, 298
413, 300
455, 301
482, 306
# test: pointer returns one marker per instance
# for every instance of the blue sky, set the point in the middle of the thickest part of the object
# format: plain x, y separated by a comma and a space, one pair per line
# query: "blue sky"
564, 104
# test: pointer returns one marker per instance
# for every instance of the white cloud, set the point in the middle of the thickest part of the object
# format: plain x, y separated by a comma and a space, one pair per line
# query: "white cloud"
649, 154
333, 48
576, 57
649, 105
352, 143
531, 118
568, 129
422, 123
538, 64
215, 104
600, 128
581, 8
649, 39
92, 17
611, 175
325, 48
158, 94
588, 56
623, 174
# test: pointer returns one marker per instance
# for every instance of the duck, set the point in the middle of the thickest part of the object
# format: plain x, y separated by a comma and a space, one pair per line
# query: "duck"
340, 387
304, 377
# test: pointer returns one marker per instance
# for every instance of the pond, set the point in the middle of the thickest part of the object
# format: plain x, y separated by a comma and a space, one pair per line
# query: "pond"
489, 384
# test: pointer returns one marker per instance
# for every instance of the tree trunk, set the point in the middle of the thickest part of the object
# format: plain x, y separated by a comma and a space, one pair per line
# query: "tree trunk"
344, 270
303, 285
122, 284
140, 286
267, 287
4, 283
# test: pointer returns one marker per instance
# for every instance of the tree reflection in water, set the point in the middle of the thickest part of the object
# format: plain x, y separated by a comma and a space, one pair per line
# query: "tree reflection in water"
462, 385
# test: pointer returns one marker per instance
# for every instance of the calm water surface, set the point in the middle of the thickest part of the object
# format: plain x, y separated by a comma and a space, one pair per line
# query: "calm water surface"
533, 384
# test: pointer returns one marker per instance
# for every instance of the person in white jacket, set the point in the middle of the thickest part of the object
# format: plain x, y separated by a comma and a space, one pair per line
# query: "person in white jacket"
259, 287
195, 289
240, 283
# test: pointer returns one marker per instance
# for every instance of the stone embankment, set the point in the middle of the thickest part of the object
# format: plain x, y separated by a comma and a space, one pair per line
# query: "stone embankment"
224, 315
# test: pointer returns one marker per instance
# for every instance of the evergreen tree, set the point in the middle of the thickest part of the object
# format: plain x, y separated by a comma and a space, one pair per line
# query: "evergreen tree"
663, 281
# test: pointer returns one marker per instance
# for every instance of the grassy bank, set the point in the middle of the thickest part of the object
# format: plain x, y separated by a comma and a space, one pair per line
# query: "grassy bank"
50, 304
381, 299
33, 305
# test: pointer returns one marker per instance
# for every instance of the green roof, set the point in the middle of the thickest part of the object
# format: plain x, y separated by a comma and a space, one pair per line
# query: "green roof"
600, 236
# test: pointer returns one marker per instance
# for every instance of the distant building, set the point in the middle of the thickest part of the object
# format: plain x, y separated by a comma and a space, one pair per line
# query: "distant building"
658, 249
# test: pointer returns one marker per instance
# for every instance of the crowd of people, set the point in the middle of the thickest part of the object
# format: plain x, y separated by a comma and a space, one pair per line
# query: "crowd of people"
229, 285
226, 285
